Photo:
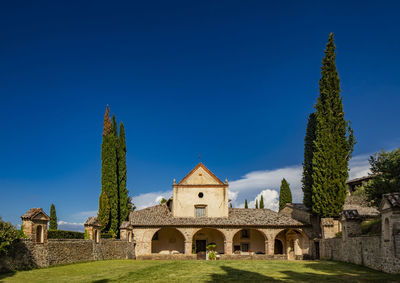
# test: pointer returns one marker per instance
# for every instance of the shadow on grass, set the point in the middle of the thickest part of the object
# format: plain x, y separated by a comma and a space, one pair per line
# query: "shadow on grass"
238, 275
6, 274
101, 281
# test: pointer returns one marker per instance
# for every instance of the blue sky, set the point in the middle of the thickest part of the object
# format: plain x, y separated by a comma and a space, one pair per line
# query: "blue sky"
233, 81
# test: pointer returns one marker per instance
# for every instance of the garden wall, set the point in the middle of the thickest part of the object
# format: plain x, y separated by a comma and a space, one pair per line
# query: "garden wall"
370, 251
25, 254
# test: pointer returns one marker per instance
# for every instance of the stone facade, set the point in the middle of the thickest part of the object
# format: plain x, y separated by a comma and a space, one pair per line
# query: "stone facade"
34, 225
27, 254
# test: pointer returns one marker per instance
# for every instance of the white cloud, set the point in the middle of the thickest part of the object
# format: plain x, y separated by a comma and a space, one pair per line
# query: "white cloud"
269, 182
150, 199
270, 198
359, 166
70, 226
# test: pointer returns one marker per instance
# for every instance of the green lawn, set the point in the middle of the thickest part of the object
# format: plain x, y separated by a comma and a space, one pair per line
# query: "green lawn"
202, 271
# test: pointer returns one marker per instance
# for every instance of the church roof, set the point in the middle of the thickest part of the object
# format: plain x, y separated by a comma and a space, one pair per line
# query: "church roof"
160, 215
201, 168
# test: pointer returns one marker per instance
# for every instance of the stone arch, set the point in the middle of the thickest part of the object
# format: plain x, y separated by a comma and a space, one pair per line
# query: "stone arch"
294, 241
205, 236
249, 239
168, 240
39, 234
386, 230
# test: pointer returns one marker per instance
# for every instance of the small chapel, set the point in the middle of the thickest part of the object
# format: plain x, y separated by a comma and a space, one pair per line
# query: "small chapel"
198, 215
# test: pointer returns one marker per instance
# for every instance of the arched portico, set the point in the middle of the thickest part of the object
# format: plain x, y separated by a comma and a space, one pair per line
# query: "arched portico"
292, 242
249, 240
206, 236
168, 241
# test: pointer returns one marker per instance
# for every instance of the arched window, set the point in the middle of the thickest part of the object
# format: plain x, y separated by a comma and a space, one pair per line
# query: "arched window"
386, 230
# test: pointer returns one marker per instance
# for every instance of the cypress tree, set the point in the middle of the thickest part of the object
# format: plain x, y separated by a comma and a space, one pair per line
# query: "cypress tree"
262, 202
245, 204
334, 141
109, 181
122, 175
285, 195
256, 203
53, 218
230, 205
309, 148
104, 210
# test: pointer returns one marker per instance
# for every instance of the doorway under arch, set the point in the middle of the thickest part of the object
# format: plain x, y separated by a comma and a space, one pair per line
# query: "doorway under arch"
206, 236
246, 240
278, 247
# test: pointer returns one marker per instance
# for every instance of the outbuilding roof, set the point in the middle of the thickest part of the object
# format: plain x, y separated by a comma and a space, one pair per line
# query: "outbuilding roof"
351, 214
160, 215
33, 212
92, 221
393, 199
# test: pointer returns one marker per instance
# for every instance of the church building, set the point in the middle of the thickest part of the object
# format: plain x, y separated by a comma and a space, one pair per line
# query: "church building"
198, 214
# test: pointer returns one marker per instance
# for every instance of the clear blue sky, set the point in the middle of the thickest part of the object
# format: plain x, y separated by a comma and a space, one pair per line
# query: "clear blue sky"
233, 81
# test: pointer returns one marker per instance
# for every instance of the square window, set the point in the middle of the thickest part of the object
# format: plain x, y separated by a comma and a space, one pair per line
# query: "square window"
245, 233
200, 211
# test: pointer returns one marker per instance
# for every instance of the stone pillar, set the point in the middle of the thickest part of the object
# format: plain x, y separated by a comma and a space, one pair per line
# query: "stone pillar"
266, 247
228, 247
271, 246
188, 247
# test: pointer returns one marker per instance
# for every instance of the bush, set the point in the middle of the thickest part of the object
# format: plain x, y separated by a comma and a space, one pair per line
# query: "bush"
107, 235
61, 234
212, 255
338, 234
8, 235
371, 227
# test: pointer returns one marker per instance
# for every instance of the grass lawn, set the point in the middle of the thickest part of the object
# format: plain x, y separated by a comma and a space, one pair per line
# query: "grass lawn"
202, 271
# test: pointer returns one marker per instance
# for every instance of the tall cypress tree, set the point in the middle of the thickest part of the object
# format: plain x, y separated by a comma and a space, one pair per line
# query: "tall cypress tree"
262, 202
109, 180
309, 148
334, 141
245, 204
122, 175
104, 210
53, 218
285, 195
256, 203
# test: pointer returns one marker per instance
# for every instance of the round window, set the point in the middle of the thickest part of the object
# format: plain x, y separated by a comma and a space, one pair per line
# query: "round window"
201, 195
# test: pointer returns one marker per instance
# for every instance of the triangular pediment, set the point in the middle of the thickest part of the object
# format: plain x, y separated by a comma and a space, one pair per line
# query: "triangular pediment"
200, 175
40, 216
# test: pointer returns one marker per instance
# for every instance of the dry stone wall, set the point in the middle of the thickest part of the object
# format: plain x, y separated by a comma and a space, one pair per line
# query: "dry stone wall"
369, 251
26, 255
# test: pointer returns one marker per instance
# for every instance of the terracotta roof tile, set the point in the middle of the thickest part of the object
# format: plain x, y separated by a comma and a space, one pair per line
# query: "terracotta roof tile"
160, 215
92, 221
33, 212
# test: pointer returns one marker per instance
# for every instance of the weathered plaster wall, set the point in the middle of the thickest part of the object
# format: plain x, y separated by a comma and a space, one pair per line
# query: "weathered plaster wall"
369, 251
26, 254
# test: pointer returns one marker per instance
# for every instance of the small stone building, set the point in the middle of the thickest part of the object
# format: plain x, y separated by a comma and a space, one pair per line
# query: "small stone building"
390, 213
34, 225
93, 228
351, 224
198, 215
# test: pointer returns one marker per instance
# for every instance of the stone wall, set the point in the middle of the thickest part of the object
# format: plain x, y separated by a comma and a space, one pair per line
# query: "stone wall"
26, 255
370, 251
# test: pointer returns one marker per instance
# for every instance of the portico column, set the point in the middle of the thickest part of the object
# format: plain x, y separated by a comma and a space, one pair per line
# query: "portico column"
271, 246
266, 247
228, 247
188, 247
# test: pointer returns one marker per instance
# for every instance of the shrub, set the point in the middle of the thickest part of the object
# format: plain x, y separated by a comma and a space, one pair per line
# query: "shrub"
212, 255
338, 234
107, 235
8, 235
371, 227
61, 234
86, 235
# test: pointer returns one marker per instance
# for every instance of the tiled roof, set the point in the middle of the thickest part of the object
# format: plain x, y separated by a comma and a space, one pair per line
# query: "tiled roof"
359, 180
125, 225
393, 199
363, 211
160, 215
33, 212
92, 221
351, 214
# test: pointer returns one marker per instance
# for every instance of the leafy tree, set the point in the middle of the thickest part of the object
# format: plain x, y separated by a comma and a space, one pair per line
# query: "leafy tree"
53, 218
122, 175
163, 200
309, 148
285, 195
256, 203
109, 180
245, 204
103, 214
262, 202
386, 169
8, 235
334, 141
